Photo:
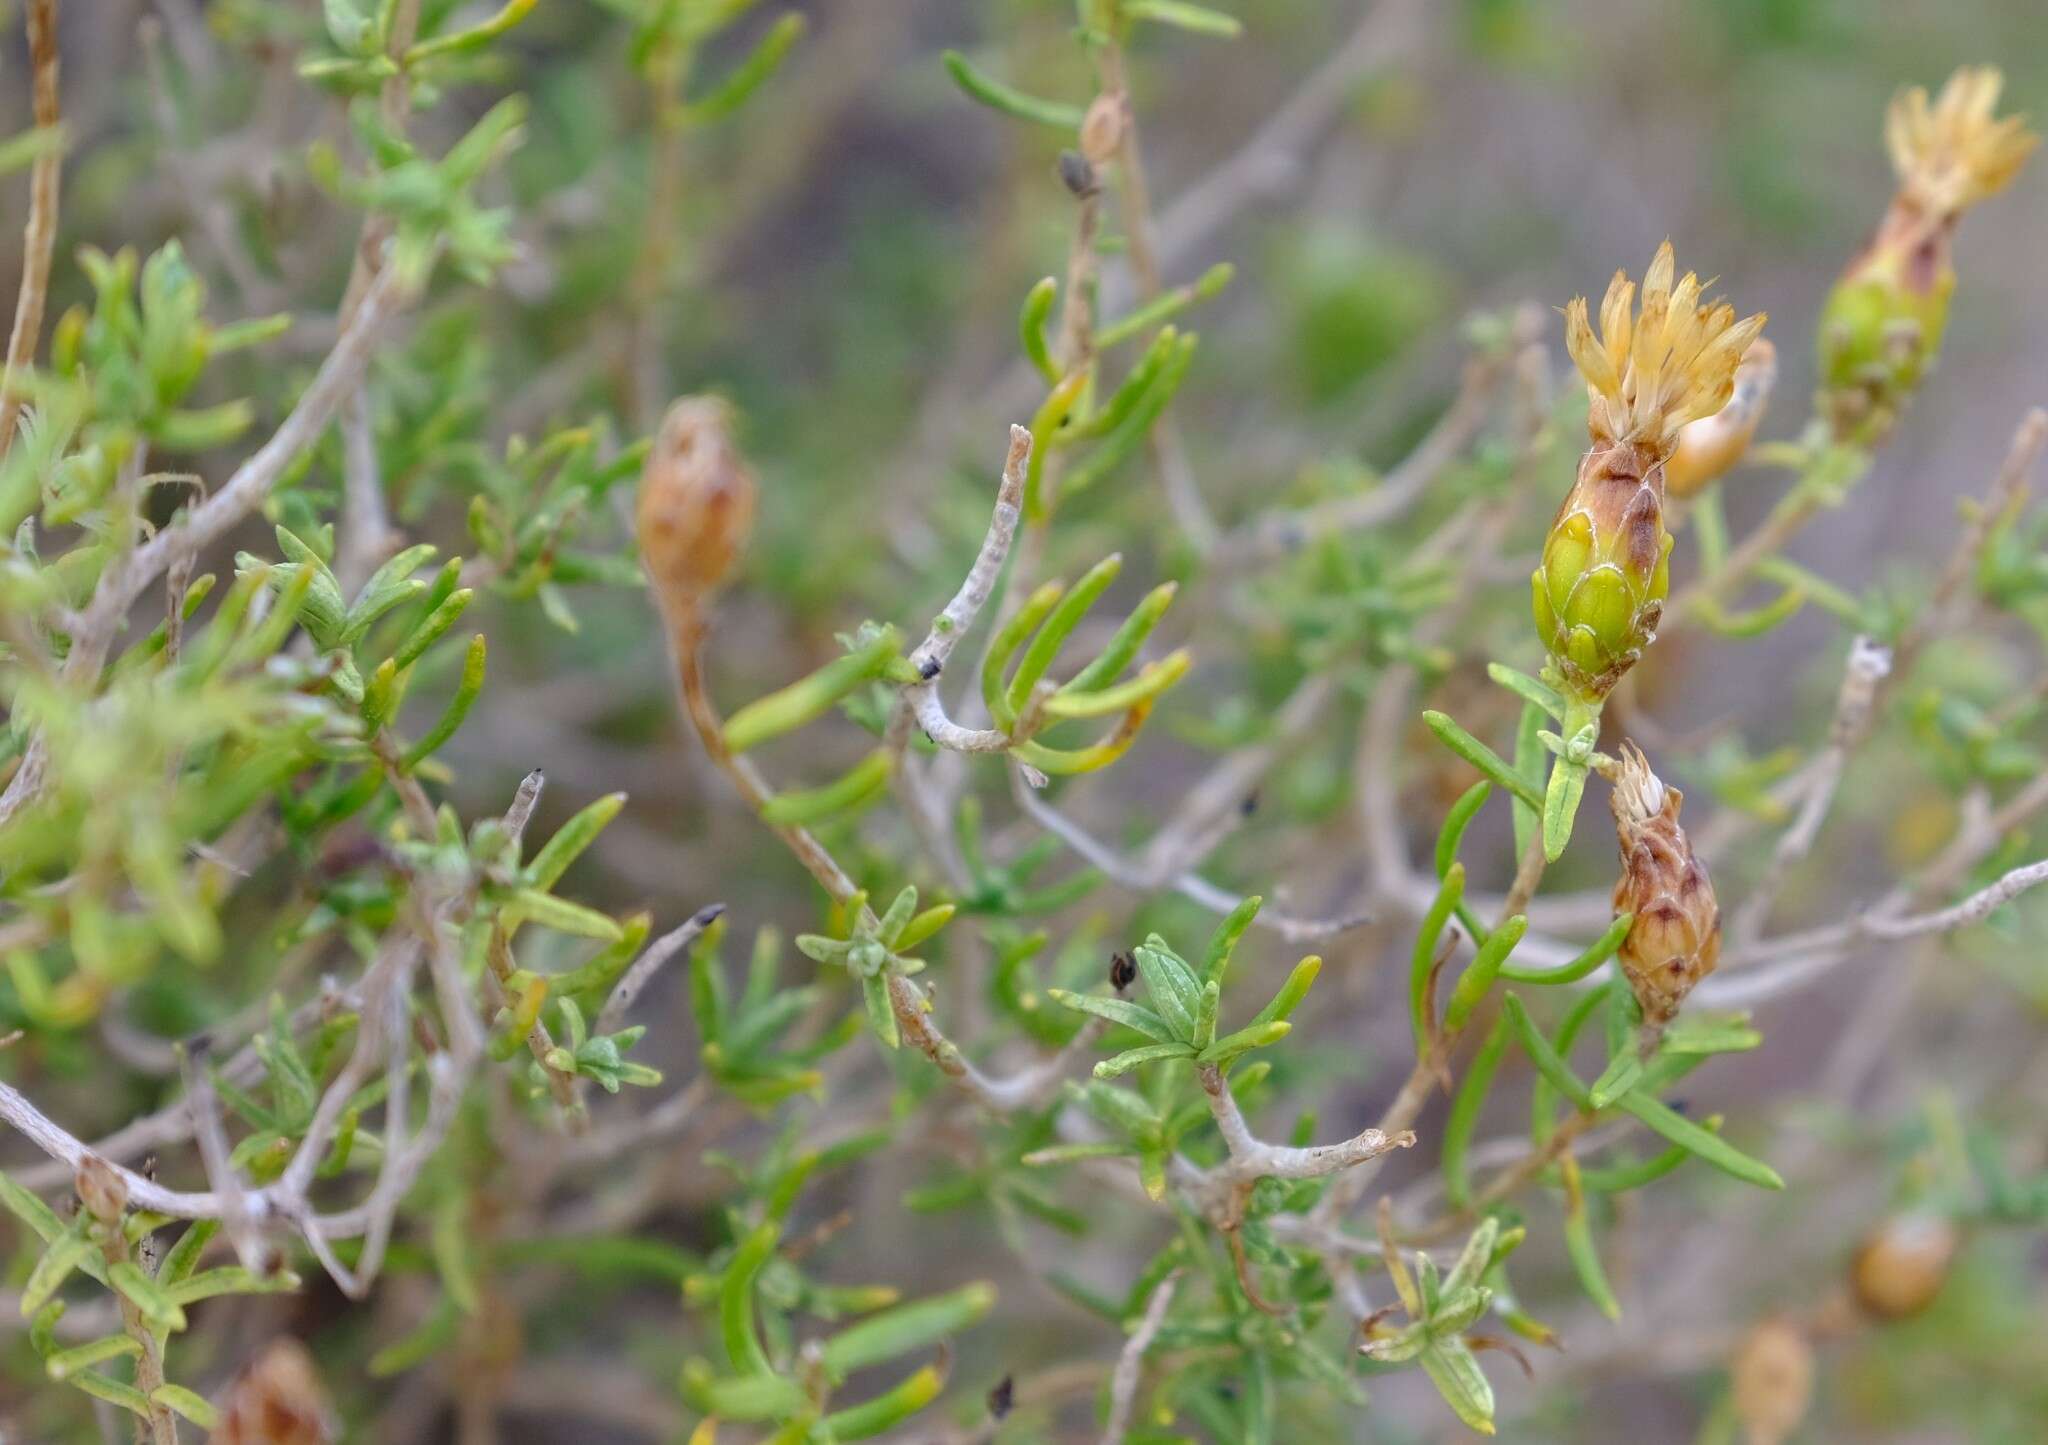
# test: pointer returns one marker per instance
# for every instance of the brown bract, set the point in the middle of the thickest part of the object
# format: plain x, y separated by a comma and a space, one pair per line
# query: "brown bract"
696, 504
1676, 938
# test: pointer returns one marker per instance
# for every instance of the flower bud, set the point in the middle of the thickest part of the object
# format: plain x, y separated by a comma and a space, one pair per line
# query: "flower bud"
1902, 1264
1675, 940
1772, 1380
696, 504
1710, 446
1881, 329
101, 1189
1599, 592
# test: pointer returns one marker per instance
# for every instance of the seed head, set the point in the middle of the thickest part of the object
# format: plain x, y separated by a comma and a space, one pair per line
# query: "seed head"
1675, 940
1881, 330
696, 504
1902, 1264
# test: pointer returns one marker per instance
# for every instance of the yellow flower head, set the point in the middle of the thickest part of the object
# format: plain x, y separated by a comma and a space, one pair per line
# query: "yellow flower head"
1651, 370
1951, 154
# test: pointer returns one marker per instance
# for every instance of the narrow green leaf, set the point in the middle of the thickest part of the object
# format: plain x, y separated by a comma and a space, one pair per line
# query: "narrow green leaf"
1123, 646
1003, 646
808, 698
1164, 307
1010, 101
570, 840
736, 1302
881, 1009
64, 1254
473, 38
1118, 1011
457, 711
1292, 992
853, 790
1710, 1147
428, 1339
1130, 1059
1455, 1372
431, 630
113, 1391
907, 1327
1456, 821
1580, 1246
1205, 1014
1481, 972
1184, 16
1059, 625
1529, 755
530, 905
230, 1279
1223, 942
188, 1403
1527, 688
1482, 757
1617, 1078
1465, 1111
1031, 327
1423, 959
1602, 949
1542, 1055
66, 1363
888, 1409
1561, 806
752, 73
1253, 1036
151, 1299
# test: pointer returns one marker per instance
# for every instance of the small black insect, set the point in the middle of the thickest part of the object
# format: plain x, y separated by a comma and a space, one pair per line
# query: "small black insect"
1002, 1397
1076, 174
1122, 972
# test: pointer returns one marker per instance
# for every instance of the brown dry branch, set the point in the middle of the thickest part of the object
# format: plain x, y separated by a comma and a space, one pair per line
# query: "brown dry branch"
39, 236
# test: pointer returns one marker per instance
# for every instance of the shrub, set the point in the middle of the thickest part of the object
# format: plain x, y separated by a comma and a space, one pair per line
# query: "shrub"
321, 1008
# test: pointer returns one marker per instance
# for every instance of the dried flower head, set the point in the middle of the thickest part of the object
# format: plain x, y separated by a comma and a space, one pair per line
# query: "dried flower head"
1599, 592
1652, 369
1710, 446
1901, 1265
278, 1400
1881, 330
1772, 1379
1675, 940
1951, 153
696, 504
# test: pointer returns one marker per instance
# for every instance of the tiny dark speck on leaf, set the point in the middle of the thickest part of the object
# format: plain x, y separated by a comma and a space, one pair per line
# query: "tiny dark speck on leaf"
1002, 1397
